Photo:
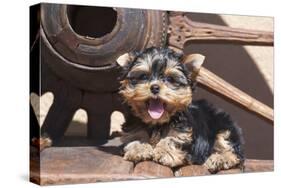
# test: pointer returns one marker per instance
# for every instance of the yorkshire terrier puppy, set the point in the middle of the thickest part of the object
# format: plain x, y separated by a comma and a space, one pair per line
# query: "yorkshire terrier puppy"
165, 124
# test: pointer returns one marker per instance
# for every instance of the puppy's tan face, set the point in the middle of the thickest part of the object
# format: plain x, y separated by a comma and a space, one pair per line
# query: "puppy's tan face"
156, 86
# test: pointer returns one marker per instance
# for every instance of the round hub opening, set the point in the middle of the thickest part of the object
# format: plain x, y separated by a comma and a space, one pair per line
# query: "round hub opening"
92, 22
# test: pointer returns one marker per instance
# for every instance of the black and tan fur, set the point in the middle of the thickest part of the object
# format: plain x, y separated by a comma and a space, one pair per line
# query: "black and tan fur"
188, 132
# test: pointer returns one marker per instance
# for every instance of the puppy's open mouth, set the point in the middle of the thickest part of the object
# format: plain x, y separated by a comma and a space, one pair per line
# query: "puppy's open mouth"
155, 108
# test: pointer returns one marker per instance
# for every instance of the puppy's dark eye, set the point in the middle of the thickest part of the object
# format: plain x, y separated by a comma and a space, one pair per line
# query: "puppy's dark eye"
134, 82
170, 79
143, 77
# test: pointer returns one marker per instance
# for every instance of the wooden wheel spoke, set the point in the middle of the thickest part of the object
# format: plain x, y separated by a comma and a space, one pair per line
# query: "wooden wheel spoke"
217, 84
67, 100
182, 29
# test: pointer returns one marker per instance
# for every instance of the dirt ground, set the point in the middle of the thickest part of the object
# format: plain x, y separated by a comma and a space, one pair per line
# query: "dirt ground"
262, 56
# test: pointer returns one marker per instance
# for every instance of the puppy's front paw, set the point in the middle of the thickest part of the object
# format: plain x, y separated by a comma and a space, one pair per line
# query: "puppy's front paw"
223, 161
171, 158
136, 151
213, 163
168, 152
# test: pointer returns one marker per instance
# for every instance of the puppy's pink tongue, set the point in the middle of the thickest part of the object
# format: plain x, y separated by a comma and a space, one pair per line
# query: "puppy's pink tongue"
155, 108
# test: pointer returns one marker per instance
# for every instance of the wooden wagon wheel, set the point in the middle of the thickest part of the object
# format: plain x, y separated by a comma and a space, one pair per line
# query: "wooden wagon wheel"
82, 58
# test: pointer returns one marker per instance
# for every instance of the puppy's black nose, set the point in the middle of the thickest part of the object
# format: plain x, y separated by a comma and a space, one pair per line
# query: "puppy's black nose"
155, 89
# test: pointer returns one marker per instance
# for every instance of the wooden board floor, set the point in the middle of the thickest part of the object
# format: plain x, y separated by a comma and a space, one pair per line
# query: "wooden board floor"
66, 164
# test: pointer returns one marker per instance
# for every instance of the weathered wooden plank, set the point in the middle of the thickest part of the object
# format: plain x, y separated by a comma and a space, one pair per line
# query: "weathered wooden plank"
192, 170
150, 169
60, 165
65, 165
252, 165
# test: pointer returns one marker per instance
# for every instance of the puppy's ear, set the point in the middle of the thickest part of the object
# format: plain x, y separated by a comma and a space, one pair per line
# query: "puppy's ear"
193, 62
125, 59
